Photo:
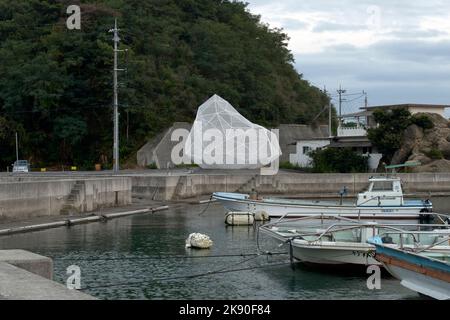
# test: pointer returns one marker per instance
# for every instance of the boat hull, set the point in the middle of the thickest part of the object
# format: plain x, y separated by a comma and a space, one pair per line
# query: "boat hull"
421, 274
333, 256
236, 202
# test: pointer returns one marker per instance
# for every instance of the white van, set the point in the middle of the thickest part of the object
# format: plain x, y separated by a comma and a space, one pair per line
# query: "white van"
21, 166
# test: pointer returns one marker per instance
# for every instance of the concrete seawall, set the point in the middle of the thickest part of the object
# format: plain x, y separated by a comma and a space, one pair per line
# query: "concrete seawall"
287, 183
28, 196
26, 199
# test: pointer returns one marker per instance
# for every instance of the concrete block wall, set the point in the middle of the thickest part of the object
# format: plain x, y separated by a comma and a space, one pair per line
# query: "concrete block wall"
20, 200
101, 193
188, 186
313, 184
26, 199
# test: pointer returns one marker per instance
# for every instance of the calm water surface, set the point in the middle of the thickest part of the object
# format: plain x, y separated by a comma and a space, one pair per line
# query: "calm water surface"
144, 257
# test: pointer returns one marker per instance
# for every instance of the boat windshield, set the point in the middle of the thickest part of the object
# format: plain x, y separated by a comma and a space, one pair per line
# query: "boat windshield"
382, 186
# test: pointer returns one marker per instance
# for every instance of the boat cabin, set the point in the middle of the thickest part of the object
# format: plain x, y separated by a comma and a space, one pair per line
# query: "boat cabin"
382, 191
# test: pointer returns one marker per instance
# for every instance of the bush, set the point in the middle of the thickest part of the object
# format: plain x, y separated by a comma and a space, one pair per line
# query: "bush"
434, 154
289, 166
186, 166
339, 160
422, 121
152, 166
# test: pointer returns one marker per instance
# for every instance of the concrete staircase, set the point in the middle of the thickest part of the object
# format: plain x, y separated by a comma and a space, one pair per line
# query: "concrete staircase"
70, 206
249, 185
263, 184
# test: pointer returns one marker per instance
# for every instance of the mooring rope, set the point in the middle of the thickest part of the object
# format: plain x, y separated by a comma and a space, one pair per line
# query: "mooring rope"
207, 207
187, 277
161, 257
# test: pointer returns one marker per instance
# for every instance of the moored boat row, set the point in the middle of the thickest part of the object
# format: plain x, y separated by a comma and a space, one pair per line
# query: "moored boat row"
370, 231
383, 199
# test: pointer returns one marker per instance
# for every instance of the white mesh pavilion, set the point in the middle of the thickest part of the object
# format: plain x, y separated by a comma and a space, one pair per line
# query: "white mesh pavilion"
221, 138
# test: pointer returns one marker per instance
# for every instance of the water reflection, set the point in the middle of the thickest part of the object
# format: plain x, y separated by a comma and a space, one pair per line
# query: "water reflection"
147, 253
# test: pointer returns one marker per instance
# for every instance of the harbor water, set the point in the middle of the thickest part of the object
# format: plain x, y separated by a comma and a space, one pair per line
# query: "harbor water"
144, 257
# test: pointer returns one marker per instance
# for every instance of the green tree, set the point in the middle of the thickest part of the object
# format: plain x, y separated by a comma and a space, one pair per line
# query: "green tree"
56, 83
70, 131
338, 160
388, 135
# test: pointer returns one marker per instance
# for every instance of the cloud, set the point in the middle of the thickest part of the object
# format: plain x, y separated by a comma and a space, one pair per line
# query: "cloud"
293, 24
398, 51
382, 71
332, 26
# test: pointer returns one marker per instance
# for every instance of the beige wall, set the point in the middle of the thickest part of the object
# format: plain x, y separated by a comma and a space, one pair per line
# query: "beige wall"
440, 111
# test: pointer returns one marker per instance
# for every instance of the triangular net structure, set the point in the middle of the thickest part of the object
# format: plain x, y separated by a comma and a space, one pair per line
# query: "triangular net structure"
221, 138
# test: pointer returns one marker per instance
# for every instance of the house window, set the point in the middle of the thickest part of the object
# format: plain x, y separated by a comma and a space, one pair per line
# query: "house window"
306, 149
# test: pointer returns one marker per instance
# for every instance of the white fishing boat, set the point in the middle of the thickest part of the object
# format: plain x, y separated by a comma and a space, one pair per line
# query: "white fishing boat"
330, 240
418, 270
383, 199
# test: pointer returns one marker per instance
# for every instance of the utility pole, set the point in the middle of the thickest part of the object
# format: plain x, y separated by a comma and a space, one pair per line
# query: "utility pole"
116, 40
366, 101
340, 92
17, 146
330, 133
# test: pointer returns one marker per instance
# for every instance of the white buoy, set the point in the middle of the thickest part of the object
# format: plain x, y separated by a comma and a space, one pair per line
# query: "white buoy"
239, 219
198, 241
261, 216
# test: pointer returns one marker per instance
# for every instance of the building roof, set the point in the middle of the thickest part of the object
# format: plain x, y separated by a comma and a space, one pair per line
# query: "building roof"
290, 133
408, 105
364, 113
350, 144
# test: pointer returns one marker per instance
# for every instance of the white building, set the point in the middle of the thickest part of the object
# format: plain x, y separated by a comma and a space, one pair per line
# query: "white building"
303, 148
296, 140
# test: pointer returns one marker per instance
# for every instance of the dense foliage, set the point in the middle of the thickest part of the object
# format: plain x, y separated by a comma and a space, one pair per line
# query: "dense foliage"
56, 84
388, 136
338, 160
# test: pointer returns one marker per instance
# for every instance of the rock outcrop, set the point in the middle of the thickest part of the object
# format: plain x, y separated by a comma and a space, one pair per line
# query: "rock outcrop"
431, 146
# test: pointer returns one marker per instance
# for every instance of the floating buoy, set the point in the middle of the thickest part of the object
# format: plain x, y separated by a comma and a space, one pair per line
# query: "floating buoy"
239, 219
261, 216
198, 241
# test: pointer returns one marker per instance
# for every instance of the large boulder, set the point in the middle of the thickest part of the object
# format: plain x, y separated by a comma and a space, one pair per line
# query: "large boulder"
412, 138
442, 165
431, 147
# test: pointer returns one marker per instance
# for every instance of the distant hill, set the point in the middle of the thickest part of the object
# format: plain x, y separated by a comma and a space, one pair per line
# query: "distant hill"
56, 84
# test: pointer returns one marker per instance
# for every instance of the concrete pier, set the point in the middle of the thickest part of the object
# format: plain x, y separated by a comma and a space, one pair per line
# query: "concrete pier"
28, 276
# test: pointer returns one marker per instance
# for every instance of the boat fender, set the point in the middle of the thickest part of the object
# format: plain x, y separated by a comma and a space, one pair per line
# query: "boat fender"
261, 216
198, 241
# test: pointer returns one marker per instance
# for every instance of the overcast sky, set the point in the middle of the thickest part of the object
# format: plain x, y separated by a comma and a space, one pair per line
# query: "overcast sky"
398, 51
